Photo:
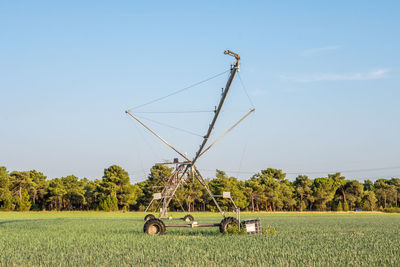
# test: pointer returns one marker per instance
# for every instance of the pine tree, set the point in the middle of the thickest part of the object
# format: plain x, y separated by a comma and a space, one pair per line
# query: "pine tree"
346, 206
339, 207
112, 202
6, 201
5, 194
24, 203
104, 205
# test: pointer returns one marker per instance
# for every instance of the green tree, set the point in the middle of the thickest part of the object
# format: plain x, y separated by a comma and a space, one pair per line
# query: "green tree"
24, 204
109, 204
346, 206
267, 190
24, 181
115, 177
113, 183
128, 195
38, 190
112, 202
56, 193
324, 190
278, 191
369, 200
5, 194
368, 185
104, 205
90, 193
20, 181
339, 183
339, 206
288, 195
222, 183
273, 173
303, 190
395, 182
190, 192
254, 192
385, 192
74, 197
353, 189
159, 174
155, 182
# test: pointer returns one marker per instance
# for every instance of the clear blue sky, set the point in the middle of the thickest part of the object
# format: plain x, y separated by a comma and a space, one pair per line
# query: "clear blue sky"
324, 78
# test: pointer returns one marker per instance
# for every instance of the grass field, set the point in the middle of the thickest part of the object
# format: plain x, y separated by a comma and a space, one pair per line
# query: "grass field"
95, 238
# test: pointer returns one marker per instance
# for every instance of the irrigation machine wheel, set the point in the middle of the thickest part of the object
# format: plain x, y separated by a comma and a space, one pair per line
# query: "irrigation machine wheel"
226, 223
154, 226
188, 218
148, 217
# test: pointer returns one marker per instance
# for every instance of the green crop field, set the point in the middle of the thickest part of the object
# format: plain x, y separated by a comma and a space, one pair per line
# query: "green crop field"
95, 238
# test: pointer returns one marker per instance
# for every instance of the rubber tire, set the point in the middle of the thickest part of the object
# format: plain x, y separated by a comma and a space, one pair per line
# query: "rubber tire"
226, 222
188, 218
154, 224
148, 217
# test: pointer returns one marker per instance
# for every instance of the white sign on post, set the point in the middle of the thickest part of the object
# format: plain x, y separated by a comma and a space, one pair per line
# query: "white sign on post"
226, 194
250, 228
157, 195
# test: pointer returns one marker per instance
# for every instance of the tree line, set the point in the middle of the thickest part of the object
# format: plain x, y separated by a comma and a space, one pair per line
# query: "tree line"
268, 190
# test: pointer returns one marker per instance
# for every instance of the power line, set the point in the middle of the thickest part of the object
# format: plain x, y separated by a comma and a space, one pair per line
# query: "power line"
309, 172
354, 170
179, 91
318, 172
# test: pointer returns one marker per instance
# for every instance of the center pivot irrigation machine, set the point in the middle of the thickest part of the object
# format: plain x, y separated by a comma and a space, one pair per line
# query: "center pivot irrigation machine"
186, 169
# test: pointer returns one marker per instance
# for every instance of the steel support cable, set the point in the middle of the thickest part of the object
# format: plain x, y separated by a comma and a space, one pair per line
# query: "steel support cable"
245, 91
138, 154
181, 111
186, 111
179, 91
146, 141
230, 129
245, 147
170, 126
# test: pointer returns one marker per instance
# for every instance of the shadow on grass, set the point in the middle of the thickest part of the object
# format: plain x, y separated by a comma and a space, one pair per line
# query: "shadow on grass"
170, 232
193, 233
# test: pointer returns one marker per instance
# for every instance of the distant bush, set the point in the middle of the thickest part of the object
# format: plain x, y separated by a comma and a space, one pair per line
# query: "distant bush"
109, 204
392, 210
234, 229
339, 206
270, 230
346, 206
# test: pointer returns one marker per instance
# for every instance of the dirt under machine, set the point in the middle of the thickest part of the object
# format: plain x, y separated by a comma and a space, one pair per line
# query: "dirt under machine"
186, 169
